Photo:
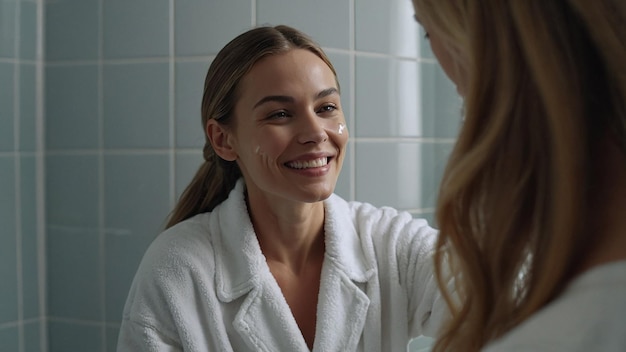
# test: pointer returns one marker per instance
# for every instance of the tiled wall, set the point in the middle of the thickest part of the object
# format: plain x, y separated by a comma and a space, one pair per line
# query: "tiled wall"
123, 81
22, 323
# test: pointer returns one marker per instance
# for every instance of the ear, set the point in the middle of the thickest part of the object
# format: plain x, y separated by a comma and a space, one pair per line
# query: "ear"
221, 140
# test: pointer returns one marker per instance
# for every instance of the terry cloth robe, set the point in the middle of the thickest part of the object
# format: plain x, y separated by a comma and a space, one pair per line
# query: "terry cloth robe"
204, 285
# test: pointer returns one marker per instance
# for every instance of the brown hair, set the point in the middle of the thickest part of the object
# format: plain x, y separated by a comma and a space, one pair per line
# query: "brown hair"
546, 82
216, 177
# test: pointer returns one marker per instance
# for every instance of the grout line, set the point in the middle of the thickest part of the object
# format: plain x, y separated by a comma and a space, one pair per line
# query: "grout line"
353, 87
172, 105
101, 172
40, 177
19, 270
253, 13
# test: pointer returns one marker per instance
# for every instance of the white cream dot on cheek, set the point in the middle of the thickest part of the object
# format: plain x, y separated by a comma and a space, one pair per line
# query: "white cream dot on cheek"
341, 128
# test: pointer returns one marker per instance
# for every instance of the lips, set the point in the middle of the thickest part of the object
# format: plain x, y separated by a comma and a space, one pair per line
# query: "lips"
307, 164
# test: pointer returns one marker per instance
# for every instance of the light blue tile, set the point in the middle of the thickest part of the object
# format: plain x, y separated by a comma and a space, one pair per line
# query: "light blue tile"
137, 194
138, 28
7, 94
69, 337
189, 89
428, 215
411, 178
74, 280
325, 20
386, 95
136, 105
420, 344
7, 29
28, 131
72, 107
32, 336
71, 29
123, 254
8, 259
341, 63
30, 253
425, 50
28, 30
441, 105
204, 27
187, 165
9, 339
111, 338
386, 27
72, 192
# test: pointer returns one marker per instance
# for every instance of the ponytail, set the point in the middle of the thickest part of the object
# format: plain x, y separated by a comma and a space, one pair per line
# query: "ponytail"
210, 186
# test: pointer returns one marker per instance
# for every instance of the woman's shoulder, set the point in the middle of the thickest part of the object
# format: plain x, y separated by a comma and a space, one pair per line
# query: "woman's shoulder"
186, 244
588, 316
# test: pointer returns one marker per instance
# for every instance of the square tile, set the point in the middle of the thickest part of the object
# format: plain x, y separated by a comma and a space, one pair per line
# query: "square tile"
71, 108
28, 102
137, 189
386, 96
71, 30
111, 338
411, 176
326, 21
66, 337
72, 194
138, 28
8, 246
123, 254
7, 29
28, 30
7, 94
30, 245
74, 275
136, 105
386, 27
9, 339
424, 44
32, 336
187, 164
189, 88
441, 106
204, 27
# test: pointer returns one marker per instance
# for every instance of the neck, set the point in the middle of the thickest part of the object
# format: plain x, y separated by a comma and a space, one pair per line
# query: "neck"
290, 233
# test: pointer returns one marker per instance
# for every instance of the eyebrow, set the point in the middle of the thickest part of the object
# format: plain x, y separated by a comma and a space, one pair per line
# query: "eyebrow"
289, 99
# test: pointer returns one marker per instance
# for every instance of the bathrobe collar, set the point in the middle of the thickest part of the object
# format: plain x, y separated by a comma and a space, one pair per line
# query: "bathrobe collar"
264, 320
240, 262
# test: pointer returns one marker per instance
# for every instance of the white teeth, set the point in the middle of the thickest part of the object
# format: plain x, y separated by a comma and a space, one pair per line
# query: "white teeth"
308, 164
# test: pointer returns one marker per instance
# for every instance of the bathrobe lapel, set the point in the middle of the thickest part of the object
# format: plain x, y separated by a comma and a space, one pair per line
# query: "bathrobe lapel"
343, 303
264, 320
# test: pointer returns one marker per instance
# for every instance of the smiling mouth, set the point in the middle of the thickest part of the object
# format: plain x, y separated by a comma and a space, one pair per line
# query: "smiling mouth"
308, 164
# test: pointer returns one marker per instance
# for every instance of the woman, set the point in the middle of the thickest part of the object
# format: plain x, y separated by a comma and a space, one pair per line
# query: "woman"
532, 205
259, 254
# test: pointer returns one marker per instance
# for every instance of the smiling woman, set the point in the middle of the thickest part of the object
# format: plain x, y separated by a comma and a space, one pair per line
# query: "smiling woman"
260, 254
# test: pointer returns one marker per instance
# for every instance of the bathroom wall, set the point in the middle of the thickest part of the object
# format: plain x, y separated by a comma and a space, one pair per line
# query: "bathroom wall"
22, 323
121, 101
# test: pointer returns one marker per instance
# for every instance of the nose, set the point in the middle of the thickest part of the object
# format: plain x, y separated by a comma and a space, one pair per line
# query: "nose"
311, 129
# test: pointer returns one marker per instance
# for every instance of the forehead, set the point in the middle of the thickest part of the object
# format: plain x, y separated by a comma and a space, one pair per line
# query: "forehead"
291, 71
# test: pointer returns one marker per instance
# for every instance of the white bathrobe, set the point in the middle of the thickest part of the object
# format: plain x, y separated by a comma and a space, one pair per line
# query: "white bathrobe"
204, 285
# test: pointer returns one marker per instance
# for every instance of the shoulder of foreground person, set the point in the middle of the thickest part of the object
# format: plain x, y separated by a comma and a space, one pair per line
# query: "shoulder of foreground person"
588, 316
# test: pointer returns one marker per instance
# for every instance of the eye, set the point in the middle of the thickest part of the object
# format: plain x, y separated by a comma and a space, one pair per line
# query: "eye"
327, 108
277, 115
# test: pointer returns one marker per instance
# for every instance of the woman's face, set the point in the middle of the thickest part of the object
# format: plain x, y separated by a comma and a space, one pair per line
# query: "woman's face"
289, 131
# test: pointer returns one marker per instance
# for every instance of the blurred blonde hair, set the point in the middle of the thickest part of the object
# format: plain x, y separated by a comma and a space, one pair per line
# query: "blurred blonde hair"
546, 82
